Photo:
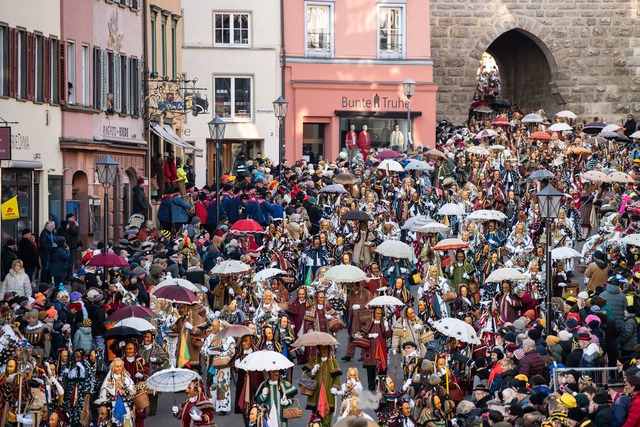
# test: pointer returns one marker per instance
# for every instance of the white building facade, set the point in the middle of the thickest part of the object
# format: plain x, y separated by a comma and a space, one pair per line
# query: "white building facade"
233, 50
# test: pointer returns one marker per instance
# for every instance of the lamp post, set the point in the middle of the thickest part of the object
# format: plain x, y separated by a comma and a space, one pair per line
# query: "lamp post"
549, 200
409, 88
107, 170
280, 107
216, 131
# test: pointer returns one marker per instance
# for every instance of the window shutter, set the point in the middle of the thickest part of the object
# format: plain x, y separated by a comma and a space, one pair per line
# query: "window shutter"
31, 69
117, 83
138, 88
62, 72
46, 69
13, 62
104, 73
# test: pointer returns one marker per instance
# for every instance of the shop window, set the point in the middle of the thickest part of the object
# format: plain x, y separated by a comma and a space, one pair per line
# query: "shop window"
231, 29
313, 141
233, 98
390, 31
380, 130
55, 199
318, 29
17, 182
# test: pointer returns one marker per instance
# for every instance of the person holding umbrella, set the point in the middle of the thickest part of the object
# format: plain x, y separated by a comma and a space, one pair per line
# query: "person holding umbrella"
156, 358
276, 394
325, 370
196, 410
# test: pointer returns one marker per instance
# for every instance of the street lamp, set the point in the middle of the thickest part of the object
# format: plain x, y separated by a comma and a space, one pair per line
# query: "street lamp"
280, 107
549, 201
107, 170
409, 88
216, 131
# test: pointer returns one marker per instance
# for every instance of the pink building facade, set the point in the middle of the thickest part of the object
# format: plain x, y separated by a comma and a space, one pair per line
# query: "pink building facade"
345, 64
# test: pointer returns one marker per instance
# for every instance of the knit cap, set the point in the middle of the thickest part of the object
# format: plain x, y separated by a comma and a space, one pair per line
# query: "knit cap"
86, 322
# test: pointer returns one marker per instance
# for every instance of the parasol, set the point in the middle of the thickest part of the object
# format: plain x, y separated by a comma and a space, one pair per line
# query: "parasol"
451, 209
540, 136
505, 274
345, 274
334, 188
501, 121
390, 166
410, 221
613, 135
234, 331
172, 380
474, 149
388, 154
595, 140
560, 127
385, 301
579, 150
264, 360
612, 127
266, 274
596, 176
122, 332
418, 165
483, 109
436, 154
487, 215
564, 252
357, 215
229, 267
486, 133
176, 281
566, 114
107, 260
246, 226
430, 226
141, 325
458, 329
346, 179
635, 135
532, 118
593, 128
132, 311
177, 294
395, 249
450, 244
315, 338
631, 239
621, 177
497, 147
540, 175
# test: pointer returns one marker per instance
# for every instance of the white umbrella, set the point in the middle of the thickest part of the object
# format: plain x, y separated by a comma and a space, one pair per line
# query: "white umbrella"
267, 273
451, 209
483, 109
395, 249
334, 188
631, 239
497, 147
418, 165
505, 274
175, 281
137, 323
596, 176
476, 149
390, 165
611, 128
565, 252
385, 301
532, 118
230, 267
345, 274
430, 226
560, 127
487, 215
636, 134
567, 114
621, 177
458, 329
172, 380
486, 133
264, 360
410, 221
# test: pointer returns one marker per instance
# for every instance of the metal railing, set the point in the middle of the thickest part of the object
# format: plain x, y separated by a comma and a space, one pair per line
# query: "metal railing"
599, 376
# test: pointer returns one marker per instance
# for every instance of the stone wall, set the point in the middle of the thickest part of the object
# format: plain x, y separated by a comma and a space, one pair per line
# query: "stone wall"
591, 47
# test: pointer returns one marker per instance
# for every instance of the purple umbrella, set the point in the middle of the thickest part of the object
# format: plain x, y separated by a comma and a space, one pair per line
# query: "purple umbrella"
388, 154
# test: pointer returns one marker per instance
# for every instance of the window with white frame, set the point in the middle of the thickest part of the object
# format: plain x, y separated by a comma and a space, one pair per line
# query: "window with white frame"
390, 31
318, 29
231, 29
86, 75
233, 98
71, 72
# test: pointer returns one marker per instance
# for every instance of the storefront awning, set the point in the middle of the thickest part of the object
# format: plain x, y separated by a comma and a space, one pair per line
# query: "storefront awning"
377, 114
22, 164
119, 140
165, 132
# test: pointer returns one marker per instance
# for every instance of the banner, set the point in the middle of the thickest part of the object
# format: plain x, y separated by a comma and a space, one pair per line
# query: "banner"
10, 209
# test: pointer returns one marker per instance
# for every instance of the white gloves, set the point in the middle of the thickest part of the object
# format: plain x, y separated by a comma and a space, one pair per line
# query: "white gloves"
284, 401
121, 344
175, 410
417, 327
328, 316
188, 326
407, 384
195, 417
315, 369
334, 390
265, 392
509, 300
79, 365
465, 276
231, 292
252, 309
139, 375
153, 359
373, 335
356, 306
22, 419
386, 324
394, 351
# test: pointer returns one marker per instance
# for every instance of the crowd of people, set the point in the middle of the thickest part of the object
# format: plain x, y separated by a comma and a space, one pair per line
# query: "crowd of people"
574, 363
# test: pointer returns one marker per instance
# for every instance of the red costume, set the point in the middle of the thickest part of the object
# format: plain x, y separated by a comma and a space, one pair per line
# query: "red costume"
351, 140
364, 143
137, 366
200, 402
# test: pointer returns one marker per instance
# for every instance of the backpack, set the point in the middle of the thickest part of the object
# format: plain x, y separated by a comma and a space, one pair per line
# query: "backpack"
164, 211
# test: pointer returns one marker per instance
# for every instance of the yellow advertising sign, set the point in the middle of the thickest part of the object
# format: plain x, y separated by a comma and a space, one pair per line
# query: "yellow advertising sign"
10, 209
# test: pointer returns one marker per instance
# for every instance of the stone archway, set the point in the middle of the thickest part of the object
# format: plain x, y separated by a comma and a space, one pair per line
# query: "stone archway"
80, 192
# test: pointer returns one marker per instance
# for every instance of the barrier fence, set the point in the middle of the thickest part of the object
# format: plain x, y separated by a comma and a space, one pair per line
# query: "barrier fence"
599, 376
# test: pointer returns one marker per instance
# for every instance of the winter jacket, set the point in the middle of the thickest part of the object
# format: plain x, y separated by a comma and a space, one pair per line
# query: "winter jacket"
555, 351
617, 301
17, 282
8, 256
98, 317
598, 273
532, 364
619, 410
82, 339
28, 254
629, 333
140, 201
164, 211
179, 210
633, 419
59, 259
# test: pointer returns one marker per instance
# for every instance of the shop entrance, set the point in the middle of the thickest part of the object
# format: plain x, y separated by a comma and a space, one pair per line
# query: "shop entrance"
313, 142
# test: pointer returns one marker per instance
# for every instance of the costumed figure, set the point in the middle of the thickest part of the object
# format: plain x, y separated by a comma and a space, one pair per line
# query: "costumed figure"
196, 410
118, 389
276, 394
324, 369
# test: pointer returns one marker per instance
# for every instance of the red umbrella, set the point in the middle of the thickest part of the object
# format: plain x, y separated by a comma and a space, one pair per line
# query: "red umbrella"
540, 136
133, 311
177, 294
388, 154
450, 244
108, 260
501, 121
247, 226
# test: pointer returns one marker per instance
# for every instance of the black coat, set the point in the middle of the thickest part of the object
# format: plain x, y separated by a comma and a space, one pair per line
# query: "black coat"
45, 246
140, 201
8, 256
28, 254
